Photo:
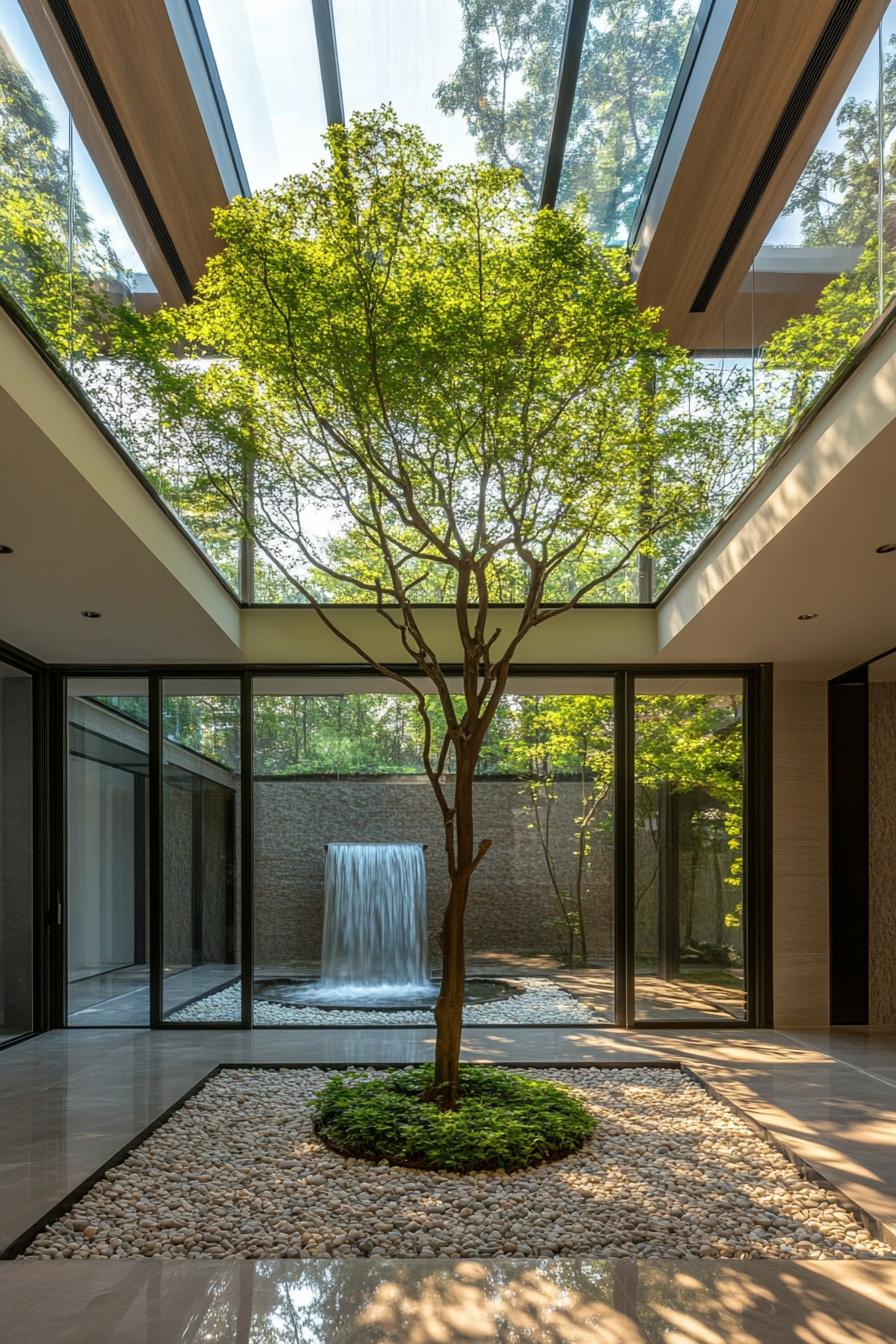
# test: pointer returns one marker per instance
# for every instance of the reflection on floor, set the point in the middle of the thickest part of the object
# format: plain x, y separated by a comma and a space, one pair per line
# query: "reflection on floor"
555, 996
121, 998
70, 1100
458, 1302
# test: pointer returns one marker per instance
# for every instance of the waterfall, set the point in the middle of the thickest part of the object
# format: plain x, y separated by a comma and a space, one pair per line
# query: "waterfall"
375, 933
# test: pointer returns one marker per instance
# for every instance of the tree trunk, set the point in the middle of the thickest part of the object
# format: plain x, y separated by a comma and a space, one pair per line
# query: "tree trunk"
450, 1003
449, 1011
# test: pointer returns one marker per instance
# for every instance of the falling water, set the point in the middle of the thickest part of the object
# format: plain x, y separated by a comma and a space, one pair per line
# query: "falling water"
375, 934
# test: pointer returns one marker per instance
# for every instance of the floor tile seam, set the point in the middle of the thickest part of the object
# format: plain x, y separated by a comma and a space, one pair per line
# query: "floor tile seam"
800, 1150
847, 1063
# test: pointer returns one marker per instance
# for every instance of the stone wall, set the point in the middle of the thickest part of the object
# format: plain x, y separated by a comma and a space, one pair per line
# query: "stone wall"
511, 908
882, 852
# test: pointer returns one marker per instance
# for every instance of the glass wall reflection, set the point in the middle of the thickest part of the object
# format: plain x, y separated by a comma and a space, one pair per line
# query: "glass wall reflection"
107, 851
68, 261
200, 849
688, 879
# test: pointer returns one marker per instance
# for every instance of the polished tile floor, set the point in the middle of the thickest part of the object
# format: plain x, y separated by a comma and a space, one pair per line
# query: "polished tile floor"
120, 997
452, 1302
70, 1100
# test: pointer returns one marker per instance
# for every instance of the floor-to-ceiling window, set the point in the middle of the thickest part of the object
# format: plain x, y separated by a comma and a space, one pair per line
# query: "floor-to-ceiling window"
107, 851
200, 850
583, 912
338, 761
16, 857
688, 852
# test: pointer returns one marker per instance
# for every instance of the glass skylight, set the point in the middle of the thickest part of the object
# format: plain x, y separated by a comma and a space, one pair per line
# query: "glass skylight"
630, 63
401, 53
266, 53
479, 79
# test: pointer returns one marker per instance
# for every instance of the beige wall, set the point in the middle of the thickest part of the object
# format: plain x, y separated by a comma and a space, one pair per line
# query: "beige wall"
800, 854
882, 852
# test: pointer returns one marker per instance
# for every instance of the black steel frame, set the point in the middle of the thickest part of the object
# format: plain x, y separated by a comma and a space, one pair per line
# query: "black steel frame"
757, 683
564, 98
44, 908
328, 60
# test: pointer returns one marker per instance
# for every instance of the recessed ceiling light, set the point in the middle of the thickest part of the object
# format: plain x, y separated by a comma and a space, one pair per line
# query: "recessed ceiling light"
5, 550
92, 615
887, 547
808, 616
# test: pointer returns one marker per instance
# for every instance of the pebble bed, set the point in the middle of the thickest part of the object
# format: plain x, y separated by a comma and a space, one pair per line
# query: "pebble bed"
541, 1001
238, 1171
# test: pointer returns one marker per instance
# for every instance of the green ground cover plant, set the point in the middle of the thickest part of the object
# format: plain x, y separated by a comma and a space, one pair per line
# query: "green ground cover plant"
503, 1120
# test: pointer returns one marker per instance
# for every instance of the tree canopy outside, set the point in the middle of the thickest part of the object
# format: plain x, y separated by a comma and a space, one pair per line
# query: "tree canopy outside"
505, 82
836, 202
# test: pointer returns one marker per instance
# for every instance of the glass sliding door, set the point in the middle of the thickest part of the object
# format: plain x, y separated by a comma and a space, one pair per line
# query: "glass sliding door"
200, 849
107, 851
688, 924
338, 764
337, 767
16, 858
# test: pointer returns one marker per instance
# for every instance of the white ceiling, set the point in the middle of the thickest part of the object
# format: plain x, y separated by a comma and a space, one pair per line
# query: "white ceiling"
74, 552
87, 536
824, 561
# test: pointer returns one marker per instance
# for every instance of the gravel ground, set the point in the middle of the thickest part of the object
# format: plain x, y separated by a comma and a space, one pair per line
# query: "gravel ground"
542, 1001
237, 1171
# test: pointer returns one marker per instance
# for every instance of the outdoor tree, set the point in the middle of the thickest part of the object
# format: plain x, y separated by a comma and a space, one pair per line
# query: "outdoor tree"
836, 203
66, 276
691, 745
505, 82
566, 739
407, 349
52, 260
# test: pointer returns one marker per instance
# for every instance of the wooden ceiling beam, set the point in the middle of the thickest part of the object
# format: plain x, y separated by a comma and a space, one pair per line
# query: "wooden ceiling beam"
136, 55
762, 58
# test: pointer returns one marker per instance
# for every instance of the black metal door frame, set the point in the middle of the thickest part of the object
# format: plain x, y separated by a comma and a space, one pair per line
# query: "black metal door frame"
757, 686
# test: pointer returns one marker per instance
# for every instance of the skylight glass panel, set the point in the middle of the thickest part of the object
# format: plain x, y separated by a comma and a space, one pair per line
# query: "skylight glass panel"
630, 63
478, 79
266, 54
401, 52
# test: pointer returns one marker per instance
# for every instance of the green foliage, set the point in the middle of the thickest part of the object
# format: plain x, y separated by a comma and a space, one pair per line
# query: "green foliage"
836, 195
570, 737
693, 744
504, 1120
64, 273
435, 378
836, 199
799, 358
43, 220
504, 88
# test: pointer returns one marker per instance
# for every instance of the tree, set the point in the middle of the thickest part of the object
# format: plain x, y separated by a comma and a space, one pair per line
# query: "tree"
408, 350
569, 738
691, 745
51, 259
504, 88
836, 200
65, 274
